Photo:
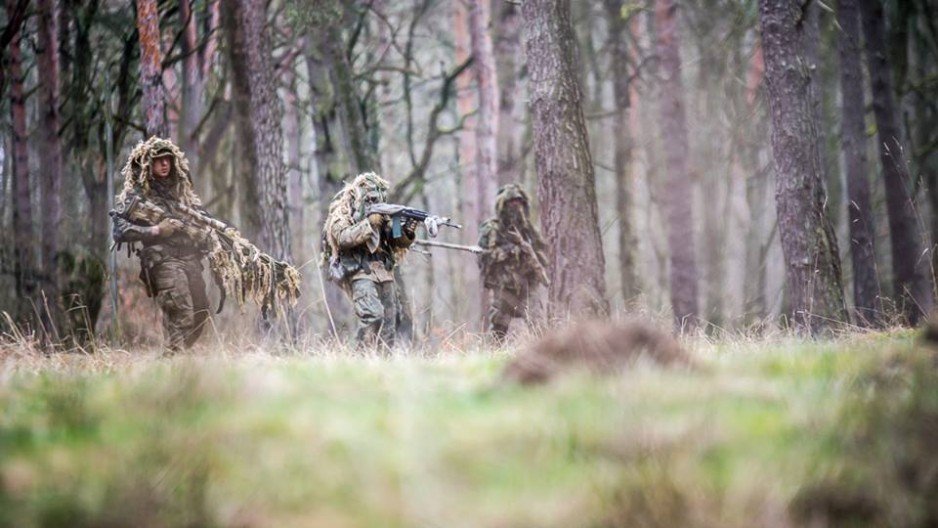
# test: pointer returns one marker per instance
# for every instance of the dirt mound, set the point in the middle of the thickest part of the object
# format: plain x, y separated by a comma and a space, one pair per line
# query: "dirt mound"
598, 346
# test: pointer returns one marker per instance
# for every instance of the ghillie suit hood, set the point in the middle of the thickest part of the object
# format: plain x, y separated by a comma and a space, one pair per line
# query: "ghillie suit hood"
507, 193
348, 206
239, 268
136, 172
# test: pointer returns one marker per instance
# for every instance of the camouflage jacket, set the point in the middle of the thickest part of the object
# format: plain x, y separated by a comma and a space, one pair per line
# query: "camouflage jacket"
366, 252
130, 225
508, 262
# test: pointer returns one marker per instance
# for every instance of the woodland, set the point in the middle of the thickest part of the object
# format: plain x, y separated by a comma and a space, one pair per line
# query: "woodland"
739, 206
735, 166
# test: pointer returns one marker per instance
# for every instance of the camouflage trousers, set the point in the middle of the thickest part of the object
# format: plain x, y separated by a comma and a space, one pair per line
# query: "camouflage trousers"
180, 292
375, 305
506, 304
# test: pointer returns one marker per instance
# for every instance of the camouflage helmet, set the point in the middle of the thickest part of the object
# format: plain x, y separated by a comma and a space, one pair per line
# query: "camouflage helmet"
509, 192
136, 172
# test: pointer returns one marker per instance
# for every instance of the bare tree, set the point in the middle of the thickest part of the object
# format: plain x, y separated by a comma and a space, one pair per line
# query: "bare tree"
487, 124
866, 291
566, 183
50, 163
679, 188
259, 114
151, 68
23, 238
621, 88
808, 242
193, 85
912, 277
507, 49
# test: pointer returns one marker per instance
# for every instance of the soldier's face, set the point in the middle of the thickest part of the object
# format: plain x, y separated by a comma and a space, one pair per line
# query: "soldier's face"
161, 167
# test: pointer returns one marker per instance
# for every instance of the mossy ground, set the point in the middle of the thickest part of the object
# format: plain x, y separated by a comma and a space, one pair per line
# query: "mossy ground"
765, 433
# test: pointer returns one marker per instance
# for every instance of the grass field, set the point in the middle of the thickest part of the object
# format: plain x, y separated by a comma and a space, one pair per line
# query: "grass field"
765, 433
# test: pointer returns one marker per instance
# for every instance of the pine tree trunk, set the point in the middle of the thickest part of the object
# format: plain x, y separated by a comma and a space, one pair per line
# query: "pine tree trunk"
193, 87
487, 124
912, 278
507, 48
679, 188
151, 68
812, 261
866, 291
621, 88
23, 237
50, 163
566, 184
331, 165
259, 112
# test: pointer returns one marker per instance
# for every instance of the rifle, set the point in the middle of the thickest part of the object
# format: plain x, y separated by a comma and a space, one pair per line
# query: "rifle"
433, 243
238, 266
402, 212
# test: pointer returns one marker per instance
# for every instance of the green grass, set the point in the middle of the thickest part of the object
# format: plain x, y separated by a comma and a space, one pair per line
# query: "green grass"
764, 434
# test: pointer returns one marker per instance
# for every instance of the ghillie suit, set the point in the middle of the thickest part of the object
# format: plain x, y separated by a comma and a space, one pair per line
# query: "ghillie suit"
171, 259
599, 347
361, 253
512, 261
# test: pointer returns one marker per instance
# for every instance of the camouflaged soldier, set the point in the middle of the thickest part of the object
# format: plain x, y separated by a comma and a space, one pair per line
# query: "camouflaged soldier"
512, 261
362, 253
170, 254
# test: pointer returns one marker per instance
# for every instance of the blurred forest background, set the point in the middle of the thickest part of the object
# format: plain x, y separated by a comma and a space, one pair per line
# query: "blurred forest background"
692, 205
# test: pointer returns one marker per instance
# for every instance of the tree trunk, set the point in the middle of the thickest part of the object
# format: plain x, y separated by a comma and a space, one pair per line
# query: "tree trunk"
50, 163
913, 289
507, 47
487, 124
679, 188
259, 112
866, 292
812, 261
23, 238
331, 164
621, 88
566, 184
193, 87
151, 68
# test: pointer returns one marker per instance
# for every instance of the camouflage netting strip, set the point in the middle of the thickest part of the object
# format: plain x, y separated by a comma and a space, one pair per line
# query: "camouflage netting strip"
248, 273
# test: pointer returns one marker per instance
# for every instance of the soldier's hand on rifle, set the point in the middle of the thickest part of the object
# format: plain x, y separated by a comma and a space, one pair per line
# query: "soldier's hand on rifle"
410, 227
167, 227
376, 220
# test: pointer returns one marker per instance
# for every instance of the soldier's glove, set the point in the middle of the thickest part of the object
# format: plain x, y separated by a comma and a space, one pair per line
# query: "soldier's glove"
376, 220
410, 228
167, 227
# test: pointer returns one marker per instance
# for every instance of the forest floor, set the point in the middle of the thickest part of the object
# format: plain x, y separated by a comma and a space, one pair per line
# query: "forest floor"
779, 432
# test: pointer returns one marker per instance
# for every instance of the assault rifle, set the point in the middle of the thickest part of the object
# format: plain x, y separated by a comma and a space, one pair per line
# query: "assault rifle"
239, 267
398, 213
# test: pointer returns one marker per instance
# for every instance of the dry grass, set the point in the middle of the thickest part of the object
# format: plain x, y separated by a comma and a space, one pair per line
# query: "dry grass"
768, 432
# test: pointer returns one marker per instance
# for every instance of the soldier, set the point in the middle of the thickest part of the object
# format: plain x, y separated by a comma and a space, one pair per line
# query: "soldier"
512, 259
170, 256
362, 254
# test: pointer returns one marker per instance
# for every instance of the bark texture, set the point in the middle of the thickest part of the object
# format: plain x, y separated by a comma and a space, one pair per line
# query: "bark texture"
483, 66
678, 194
623, 145
812, 262
866, 291
50, 163
23, 238
259, 114
912, 278
507, 49
193, 86
566, 183
151, 68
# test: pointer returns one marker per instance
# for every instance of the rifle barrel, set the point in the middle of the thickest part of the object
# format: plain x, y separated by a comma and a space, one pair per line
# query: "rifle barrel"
447, 245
